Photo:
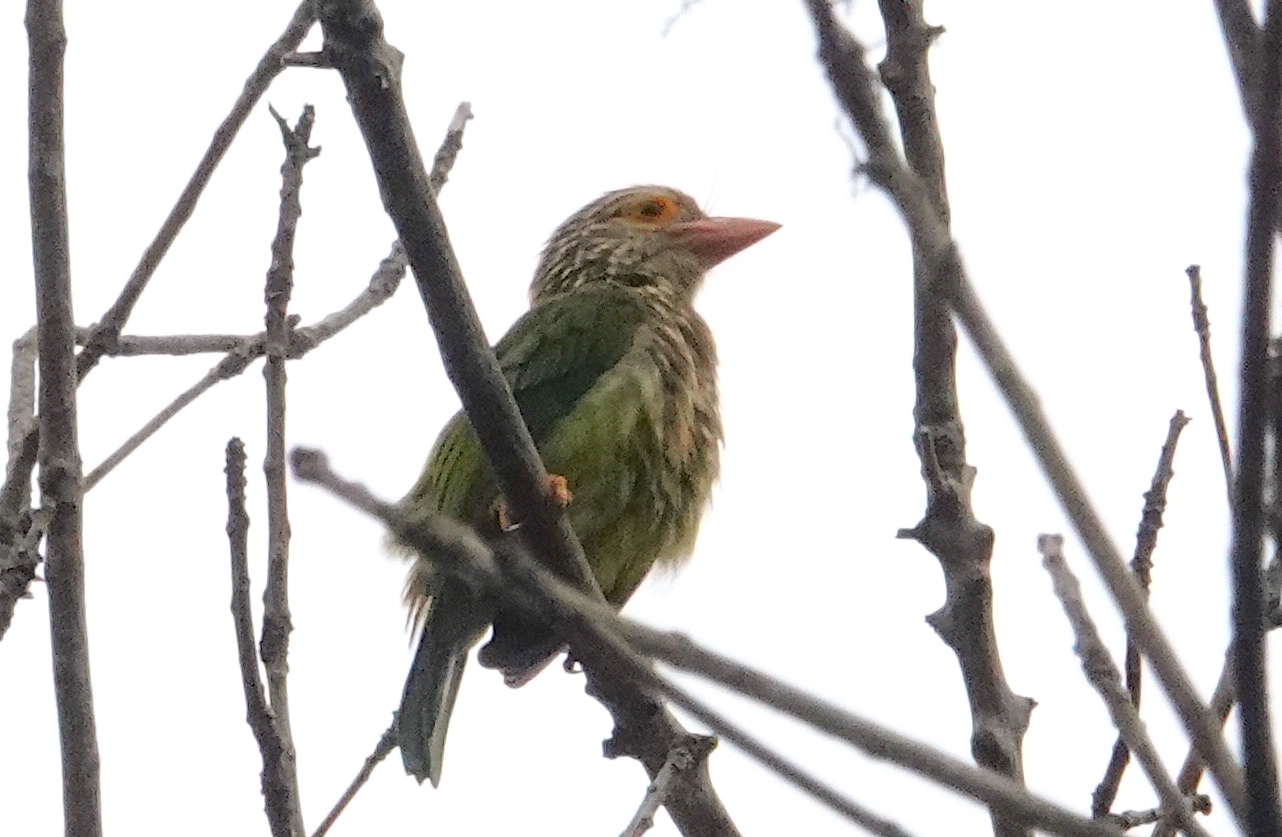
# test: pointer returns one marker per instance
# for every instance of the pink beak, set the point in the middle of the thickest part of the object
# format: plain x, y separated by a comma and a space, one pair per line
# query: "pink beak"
714, 240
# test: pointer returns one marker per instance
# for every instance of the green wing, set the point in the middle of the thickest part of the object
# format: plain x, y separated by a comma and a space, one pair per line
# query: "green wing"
551, 357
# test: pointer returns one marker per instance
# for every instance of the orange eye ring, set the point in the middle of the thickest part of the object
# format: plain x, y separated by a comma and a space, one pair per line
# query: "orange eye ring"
652, 210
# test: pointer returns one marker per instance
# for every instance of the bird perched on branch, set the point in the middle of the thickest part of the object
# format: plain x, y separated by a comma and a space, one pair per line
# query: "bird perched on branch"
615, 375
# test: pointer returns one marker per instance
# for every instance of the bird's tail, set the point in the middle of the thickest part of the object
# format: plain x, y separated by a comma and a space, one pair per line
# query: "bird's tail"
431, 688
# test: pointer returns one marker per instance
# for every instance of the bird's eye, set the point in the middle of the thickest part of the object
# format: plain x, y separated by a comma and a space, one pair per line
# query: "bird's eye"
653, 210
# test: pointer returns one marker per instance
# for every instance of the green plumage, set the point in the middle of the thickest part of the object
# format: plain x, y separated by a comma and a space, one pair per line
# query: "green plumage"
614, 374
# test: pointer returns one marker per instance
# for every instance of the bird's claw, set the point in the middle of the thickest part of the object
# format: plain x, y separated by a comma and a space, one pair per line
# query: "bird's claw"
558, 489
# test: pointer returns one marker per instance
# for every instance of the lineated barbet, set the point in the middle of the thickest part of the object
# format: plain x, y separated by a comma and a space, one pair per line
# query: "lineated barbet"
615, 375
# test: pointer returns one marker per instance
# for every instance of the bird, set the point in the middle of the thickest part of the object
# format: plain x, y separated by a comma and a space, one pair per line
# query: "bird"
614, 373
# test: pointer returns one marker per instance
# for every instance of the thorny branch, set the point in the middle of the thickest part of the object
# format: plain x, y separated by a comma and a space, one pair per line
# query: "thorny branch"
852, 82
61, 491
1142, 565
593, 629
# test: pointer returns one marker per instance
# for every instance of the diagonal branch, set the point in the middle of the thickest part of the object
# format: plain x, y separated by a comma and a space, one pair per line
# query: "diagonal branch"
370, 68
853, 85
1101, 672
107, 330
240, 354
15, 492
386, 744
595, 632
61, 491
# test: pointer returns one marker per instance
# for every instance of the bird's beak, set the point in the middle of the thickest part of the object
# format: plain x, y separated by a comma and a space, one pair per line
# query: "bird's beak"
714, 240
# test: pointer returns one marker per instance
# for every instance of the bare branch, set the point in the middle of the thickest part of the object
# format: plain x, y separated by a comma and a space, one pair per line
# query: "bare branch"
277, 789
949, 530
593, 629
385, 745
1245, 43
852, 82
236, 362
1202, 326
443, 162
107, 330
1101, 672
61, 492
682, 757
1142, 565
1134, 819
19, 537
382, 284
172, 344
1263, 813
277, 624
22, 391
15, 493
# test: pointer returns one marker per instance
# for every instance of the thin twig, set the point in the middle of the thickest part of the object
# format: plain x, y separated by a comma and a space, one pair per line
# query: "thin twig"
458, 550
1142, 565
22, 391
61, 491
15, 493
276, 787
852, 82
443, 162
382, 284
107, 330
386, 744
1200, 803
19, 538
1102, 673
682, 757
949, 529
277, 624
236, 362
1202, 326
1263, 812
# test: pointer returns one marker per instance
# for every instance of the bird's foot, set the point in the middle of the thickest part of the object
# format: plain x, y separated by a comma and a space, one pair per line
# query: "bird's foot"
558, 489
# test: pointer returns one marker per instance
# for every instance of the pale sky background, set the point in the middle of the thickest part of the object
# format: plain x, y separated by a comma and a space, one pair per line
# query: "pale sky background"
1094, 152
